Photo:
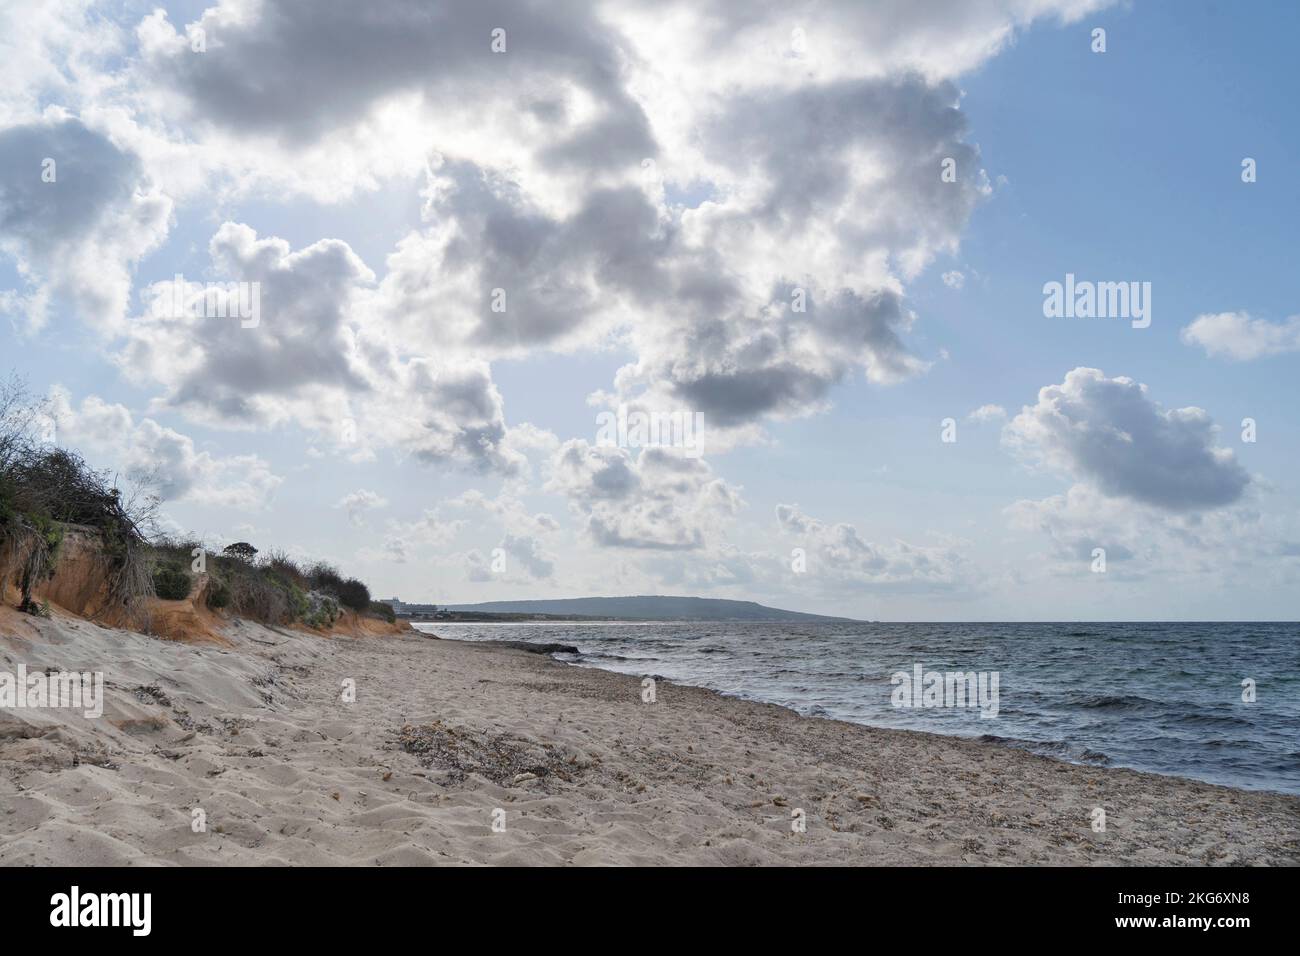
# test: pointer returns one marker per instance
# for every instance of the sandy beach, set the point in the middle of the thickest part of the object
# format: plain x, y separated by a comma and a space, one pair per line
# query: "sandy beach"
446, 739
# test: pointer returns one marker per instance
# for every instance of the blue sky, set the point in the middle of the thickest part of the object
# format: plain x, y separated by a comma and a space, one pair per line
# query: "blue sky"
1114, 166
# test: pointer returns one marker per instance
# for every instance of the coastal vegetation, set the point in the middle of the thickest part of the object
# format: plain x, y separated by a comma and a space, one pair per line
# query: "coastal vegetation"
48, 492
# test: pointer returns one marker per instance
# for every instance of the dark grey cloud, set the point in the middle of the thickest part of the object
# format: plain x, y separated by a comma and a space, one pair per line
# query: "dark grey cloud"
301, 339
300, 69
736, 371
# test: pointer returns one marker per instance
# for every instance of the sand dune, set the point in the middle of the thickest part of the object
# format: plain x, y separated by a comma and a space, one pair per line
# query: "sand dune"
444, 738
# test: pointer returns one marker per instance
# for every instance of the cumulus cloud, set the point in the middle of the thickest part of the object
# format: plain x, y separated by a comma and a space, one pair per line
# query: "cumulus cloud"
539, 185
166, 460
658, 500
1082, 520
581, 90
319, 358
954, 279
302, 355
1107, 431
790, 285
1236, 336
76, 214
741, 43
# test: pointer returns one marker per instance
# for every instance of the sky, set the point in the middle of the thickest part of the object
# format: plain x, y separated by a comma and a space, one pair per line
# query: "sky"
823, 235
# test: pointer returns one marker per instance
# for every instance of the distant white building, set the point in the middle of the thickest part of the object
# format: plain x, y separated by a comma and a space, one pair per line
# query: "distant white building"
399, 607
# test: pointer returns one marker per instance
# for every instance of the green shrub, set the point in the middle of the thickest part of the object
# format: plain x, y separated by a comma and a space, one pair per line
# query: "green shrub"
385, 611
324, 577
171, 583
355, 595
299, 605
261, 596
322, 610
219, 594
280, 564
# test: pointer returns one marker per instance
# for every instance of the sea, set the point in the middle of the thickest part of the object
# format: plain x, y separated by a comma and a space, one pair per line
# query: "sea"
1218, 702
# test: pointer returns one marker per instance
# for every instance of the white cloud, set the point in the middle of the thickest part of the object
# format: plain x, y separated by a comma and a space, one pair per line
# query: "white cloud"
537, 186
424, 538
987, 413
358, 502
954, 279
53, 51
658, 500
76, 214
319, 358
1236, 336
838, 558
109, 436
509, 511
1242, 544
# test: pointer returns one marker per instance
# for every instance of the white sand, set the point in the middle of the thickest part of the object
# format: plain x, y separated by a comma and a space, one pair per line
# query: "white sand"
256, 735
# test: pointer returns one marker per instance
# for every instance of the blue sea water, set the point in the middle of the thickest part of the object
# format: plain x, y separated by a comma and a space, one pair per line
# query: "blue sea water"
1162, 697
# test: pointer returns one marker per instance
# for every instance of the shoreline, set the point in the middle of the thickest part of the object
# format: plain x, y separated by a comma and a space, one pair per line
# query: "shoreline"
445, 737
549, 651
1023, 745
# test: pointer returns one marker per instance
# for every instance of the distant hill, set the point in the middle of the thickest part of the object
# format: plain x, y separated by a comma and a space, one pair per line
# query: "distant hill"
646, 608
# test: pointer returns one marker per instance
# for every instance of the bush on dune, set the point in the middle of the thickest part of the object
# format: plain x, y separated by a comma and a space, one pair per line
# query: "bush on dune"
45, 489
355, 595
171, 583
257, 593
350, 592
322, 610
279, 563
324, 577
219, 595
